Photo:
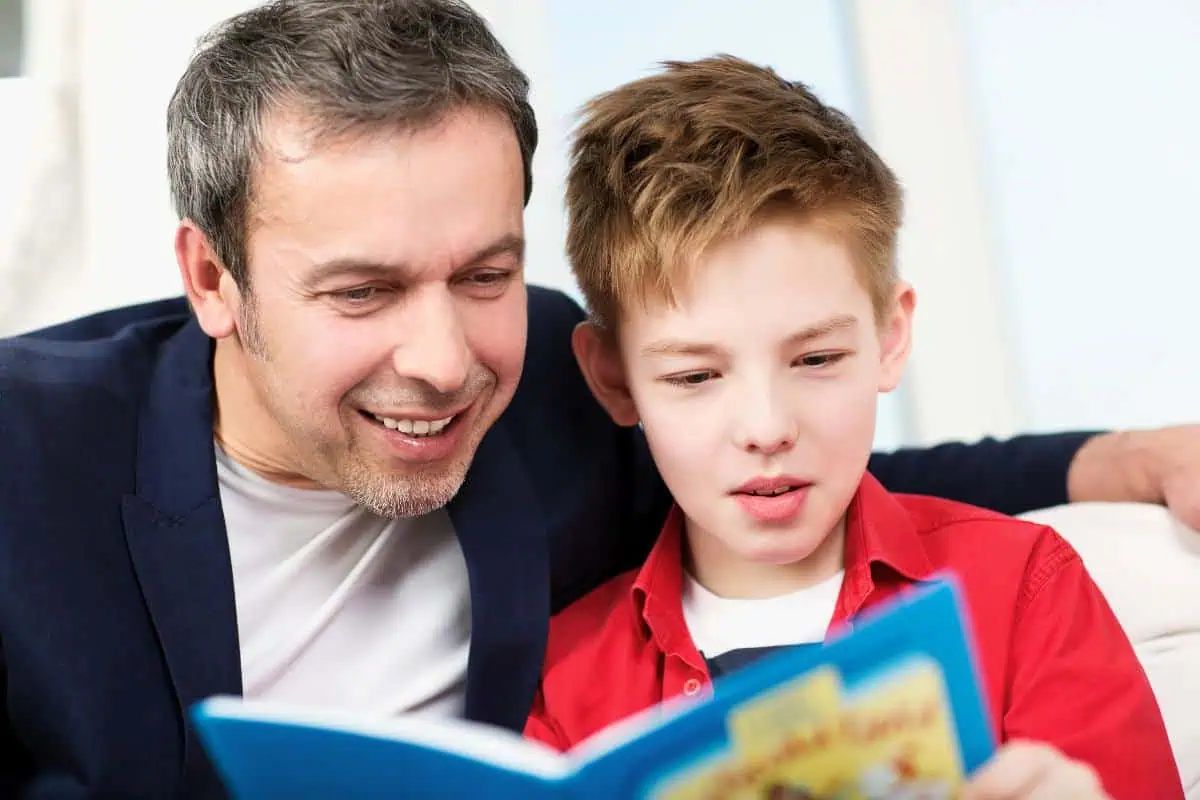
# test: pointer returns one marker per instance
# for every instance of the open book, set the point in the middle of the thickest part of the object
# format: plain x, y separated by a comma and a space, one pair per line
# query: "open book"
891, 710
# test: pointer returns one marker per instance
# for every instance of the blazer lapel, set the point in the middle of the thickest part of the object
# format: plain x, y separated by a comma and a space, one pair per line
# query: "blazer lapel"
176, 533
177, 541
500, 527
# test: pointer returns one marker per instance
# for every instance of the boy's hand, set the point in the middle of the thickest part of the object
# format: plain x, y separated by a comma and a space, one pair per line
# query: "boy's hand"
1033, 771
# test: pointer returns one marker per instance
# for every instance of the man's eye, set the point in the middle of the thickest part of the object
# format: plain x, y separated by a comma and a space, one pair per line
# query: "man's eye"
359, 294
489, 279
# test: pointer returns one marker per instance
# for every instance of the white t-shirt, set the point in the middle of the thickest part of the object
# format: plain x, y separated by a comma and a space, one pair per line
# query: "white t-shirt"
723, 625
340, 608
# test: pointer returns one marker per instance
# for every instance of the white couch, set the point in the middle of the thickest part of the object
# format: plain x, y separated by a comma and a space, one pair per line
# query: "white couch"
1148, 566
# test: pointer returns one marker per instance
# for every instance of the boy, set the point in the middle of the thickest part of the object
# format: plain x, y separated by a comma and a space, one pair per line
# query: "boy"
735, 241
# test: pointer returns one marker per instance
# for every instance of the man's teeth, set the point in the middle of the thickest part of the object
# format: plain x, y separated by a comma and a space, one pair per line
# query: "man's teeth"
772, 492
415, 427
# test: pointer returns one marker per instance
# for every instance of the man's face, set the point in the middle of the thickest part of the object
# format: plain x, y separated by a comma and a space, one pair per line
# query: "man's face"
757, 392
384, 328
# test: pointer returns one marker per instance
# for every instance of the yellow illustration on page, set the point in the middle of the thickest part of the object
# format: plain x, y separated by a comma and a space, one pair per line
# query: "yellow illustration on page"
890, 740
804, 704
901, 731
787, 735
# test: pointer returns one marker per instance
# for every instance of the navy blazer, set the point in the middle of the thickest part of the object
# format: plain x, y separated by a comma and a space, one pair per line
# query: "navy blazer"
116, 592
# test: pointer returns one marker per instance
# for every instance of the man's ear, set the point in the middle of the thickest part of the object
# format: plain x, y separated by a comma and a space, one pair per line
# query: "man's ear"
600, 360
210, 288
895, 337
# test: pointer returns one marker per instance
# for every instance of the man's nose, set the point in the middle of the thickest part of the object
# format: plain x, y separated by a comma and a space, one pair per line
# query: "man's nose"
434, 349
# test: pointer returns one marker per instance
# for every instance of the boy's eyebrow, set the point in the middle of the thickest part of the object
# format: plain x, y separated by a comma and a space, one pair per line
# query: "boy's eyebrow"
509, 244
676, 347
823, 328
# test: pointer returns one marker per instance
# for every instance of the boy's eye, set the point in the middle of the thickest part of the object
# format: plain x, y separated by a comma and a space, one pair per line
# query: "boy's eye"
821, 359
691, 378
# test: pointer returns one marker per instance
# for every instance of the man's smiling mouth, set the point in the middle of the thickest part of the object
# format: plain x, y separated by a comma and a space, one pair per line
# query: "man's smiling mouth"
411, 426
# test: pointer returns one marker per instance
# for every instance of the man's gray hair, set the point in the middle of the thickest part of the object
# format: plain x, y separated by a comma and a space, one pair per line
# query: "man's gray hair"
344, 64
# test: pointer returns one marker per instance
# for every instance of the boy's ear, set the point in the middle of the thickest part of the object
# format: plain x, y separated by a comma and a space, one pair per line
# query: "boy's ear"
895, 337
604, 371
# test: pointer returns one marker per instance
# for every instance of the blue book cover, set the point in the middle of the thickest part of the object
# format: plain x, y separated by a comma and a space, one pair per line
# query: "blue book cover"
892, 708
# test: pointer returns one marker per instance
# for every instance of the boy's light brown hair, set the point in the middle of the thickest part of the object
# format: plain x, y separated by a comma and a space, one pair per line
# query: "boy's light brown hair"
665, 166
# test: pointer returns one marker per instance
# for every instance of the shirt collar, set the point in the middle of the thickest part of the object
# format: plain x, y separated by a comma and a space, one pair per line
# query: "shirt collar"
657, 592
879, 530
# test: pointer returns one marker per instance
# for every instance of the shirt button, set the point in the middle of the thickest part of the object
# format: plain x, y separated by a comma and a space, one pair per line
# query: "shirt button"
691, 686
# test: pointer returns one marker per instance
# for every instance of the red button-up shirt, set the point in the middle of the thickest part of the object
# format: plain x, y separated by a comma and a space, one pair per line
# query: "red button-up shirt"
1056, 665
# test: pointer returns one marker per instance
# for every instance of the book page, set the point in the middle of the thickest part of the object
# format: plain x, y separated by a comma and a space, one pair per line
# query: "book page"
889, 737
622, 733
483, 743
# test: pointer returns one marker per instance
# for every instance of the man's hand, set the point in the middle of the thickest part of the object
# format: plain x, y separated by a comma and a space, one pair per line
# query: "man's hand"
1031, 771
1158, 466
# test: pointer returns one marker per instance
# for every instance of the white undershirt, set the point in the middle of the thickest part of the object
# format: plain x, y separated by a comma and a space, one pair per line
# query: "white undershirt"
719, 625
340, 608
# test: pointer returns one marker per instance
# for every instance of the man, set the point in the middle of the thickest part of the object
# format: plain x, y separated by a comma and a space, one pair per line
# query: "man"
316, 480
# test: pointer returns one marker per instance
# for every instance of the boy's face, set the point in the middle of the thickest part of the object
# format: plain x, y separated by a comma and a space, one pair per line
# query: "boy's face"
757, 391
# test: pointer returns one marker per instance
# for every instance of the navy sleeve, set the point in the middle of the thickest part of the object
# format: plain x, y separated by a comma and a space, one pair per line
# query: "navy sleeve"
104, 324
8, 741
1010, 476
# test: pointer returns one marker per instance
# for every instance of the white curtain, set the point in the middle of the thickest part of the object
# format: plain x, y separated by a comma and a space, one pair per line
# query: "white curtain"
524, 28
40, 245
90, 224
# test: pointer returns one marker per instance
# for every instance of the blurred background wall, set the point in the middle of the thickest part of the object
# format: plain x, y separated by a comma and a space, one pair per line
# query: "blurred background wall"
1047, 150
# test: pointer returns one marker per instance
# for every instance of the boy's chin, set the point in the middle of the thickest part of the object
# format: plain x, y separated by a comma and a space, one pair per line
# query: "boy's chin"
781, 554
778, 547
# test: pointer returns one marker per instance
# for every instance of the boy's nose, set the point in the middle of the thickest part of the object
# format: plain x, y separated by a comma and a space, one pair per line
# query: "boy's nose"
766, 430
769, 445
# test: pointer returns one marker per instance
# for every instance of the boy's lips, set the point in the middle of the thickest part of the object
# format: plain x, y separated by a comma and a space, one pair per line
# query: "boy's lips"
772, 485
776, 499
